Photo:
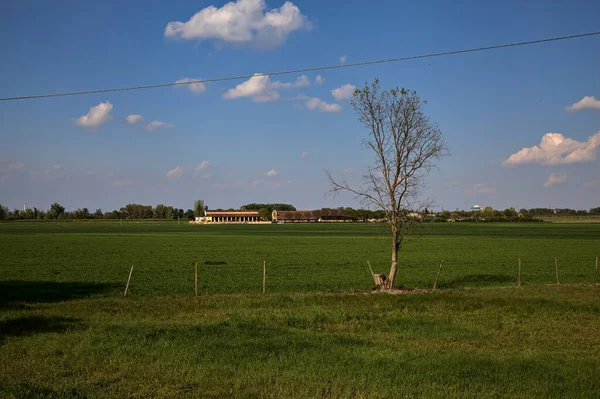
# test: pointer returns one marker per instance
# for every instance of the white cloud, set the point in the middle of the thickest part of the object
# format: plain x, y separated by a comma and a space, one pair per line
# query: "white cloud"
96, 116
262, 89
343, 59
304, 155
203, 165
272, 172
344, 92
556, 149
196, 87
241, 22
133, 119
122, 183
320, 105
480, 188
319, 80
348, 170
302, 81
177, 172
157, 125
556, 178
16, 165
587, 102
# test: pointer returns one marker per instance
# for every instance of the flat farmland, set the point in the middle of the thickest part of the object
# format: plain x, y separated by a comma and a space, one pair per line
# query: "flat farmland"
67, 332
300, 257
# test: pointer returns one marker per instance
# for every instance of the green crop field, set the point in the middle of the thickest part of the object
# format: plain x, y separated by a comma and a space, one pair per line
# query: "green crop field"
300, 258
67, 332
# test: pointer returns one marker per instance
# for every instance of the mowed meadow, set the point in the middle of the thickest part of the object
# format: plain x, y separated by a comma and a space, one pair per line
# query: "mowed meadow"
67, 332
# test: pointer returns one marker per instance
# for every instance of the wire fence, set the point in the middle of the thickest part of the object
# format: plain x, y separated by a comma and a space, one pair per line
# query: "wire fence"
209, 278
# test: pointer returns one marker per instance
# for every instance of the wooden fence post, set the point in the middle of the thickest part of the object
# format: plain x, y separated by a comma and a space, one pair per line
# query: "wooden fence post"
519, 280
556, 267
196, 280
128, 280
438, 276
264, 277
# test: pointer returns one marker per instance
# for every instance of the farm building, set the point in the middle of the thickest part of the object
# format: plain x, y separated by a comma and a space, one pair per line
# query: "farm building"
310, 216
232, 217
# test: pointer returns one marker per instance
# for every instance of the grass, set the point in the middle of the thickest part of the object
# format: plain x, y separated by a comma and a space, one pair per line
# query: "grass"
66, 331
573, 219
537, 341
300, 258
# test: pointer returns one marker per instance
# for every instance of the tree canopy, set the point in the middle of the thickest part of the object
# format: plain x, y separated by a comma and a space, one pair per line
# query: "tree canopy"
270, 207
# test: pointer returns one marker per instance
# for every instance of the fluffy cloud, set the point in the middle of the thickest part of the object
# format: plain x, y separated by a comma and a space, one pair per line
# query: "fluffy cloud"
480, 188
319, 80
343, 59
587, 102
97, 115
158, 125
262, 89
272, 172
304, 155
344, 92
177, 172
203, 165
322, 106
348, 170
241, 22
200, 171
133, 119
556, 178
196, 87
556, 149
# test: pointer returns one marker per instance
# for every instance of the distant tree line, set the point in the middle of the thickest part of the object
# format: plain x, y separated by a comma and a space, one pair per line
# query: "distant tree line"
161, 211
488, 214
129, 211
269, 207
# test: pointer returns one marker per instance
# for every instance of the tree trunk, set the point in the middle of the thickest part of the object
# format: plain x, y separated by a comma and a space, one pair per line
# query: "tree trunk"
392, 276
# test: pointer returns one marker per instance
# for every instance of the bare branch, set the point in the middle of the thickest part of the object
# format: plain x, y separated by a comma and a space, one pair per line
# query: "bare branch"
405, 145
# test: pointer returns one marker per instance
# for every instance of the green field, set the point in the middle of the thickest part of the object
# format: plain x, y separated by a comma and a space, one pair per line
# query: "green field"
300, 258
67, 332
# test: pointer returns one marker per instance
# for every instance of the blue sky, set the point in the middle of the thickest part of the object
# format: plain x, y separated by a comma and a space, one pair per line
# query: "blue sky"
270, 140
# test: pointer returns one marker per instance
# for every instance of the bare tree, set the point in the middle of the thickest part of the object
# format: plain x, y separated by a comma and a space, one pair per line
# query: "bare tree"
405, 144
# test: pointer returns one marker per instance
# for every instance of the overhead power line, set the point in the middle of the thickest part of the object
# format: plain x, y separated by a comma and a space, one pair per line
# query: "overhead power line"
294, 71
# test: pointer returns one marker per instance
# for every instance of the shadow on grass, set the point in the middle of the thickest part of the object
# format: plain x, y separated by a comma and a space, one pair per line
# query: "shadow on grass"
15, 294
26, 391
475, 280
30, 325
